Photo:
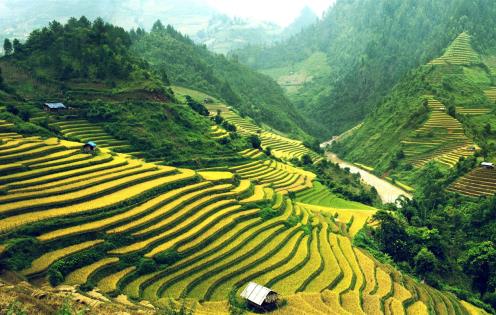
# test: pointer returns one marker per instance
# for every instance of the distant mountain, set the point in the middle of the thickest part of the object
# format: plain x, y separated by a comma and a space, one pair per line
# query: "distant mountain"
370, 45
224, 34
189, 16
306, 18
194, 18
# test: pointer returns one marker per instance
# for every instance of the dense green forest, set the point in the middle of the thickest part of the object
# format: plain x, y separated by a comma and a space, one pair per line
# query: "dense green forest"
370, 46
192, 65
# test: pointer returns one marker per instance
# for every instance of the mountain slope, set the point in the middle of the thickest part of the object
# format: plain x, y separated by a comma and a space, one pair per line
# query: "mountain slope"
370, 46
427, 116
194, 66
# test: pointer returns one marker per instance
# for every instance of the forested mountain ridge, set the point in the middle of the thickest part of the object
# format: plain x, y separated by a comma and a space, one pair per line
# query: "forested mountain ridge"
192, 65
89, 66
370, 46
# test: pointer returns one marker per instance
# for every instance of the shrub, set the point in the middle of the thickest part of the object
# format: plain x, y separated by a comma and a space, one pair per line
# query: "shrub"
168, 257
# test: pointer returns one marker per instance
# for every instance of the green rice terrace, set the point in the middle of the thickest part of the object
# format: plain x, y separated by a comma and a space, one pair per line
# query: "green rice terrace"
135, 231
441, 138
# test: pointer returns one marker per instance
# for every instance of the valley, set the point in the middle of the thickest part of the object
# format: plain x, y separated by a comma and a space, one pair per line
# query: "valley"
147, 171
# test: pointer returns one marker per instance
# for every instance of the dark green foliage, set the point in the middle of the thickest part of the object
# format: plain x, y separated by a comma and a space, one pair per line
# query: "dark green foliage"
188, 64
268, 213
146, 265
55, 277
255, 141
425, 262
7, 47
20, 252
480, 262
166, 131
197, 107
79, 49
168, 257
228, 126
306, 159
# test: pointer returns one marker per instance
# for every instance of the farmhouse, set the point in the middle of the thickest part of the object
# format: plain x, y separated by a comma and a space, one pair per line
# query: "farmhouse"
487, 165
260, 296
54, 107
89, 147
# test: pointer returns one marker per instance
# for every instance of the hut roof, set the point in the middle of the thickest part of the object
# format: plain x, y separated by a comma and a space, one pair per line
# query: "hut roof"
55, 105
91, 143
255, 293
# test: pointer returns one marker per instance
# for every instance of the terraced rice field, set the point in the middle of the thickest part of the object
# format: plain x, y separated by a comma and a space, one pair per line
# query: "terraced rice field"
441, 138
321, 196
218, 132
460, 52
473, 111
491, 93
479, 182
280, 176
203, 230
84, 131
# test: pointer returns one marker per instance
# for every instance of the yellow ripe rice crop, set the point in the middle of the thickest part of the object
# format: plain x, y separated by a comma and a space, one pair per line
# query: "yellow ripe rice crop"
96, 225
258, 195
265, 265
351, 302
419, 308
195, 229
275, 240
180, 210
348, 252
216, 176
226, 253
244, 185
133, 288
345, 282
293, 282
384, 281
216, 228
39, 175
79, 185
51, 184
228, 237
110, 282
92, 205
472, 310
368, 268
80, 276
43, 262
223, 237
77, 195
331, 269
166, 209
185, 211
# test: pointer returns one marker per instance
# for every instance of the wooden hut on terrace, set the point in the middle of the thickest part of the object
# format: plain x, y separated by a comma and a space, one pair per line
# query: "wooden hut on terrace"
260, 297
54, 107
89, 147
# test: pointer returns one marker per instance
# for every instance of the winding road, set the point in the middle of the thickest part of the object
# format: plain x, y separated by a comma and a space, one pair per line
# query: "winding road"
387, 191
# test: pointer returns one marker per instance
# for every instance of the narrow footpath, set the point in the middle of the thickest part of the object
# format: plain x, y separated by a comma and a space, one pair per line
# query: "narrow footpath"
387, 191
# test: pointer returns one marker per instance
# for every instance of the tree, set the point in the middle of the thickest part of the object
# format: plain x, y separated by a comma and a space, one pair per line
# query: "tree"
7, 47
480, 262
1, 79
425, 262
17, 46
255, 141
158, 27
306, 159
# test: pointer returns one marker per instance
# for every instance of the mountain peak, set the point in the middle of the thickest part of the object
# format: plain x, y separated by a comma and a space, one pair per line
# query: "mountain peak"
460, 52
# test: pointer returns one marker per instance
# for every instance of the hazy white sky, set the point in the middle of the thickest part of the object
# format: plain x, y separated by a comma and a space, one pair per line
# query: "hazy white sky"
282, 12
